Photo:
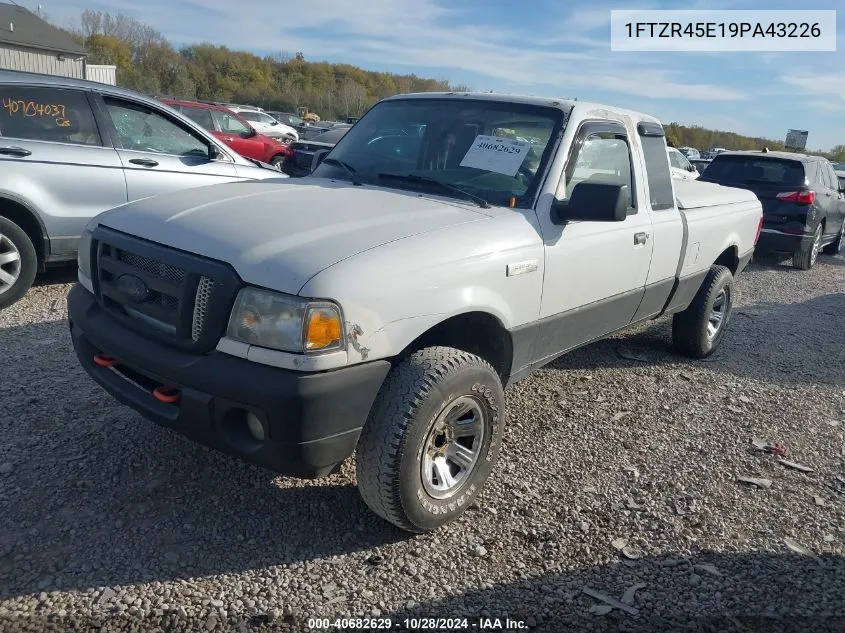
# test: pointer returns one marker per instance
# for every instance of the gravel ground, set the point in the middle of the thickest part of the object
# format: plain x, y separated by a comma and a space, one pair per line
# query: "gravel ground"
618, 476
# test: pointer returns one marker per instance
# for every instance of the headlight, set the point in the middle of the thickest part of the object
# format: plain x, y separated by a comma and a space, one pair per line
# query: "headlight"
83, 257
269, 319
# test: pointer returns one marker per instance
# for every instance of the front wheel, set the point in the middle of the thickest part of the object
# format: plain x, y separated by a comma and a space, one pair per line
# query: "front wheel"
698, 330
432, 438
18, 262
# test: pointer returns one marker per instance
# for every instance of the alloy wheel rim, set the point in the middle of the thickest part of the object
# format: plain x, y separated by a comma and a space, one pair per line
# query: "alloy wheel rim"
452, 449
718, 314
10, 263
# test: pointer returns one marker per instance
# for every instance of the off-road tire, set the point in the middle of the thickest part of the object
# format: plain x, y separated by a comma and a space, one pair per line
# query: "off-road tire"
805, 257
836, 246
390, 449
28, 262
689, 328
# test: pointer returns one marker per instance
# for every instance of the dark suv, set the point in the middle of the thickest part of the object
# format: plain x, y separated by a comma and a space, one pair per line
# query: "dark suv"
803, 200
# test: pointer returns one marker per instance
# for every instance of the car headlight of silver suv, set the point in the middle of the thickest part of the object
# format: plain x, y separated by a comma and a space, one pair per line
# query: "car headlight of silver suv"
283, 322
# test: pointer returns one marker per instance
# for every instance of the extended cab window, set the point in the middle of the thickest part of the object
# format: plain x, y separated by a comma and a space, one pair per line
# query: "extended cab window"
601, 156
143, 129
47, 114
660, 190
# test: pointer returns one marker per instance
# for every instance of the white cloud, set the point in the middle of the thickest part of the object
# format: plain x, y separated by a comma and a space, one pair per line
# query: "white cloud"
826, 85
425, 34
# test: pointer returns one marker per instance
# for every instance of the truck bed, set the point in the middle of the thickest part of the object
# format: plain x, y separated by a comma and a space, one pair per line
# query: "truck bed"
693, 194
716, 219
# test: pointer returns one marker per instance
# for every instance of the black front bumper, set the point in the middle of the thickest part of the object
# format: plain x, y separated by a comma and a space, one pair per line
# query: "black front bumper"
311, 421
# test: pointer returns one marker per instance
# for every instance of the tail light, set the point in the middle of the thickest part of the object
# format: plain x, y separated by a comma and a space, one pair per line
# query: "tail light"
801, 197
759, 229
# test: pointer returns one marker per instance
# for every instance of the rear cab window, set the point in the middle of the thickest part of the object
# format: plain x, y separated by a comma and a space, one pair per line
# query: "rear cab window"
41, 113
745, 169
660, 192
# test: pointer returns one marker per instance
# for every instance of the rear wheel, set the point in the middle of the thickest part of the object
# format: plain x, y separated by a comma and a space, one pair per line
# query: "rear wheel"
698, 330
431, 439
18, 262
836, 247
805, 257
277, 161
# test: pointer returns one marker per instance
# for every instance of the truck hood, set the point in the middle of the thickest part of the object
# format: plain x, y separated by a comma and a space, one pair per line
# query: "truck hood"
279, 234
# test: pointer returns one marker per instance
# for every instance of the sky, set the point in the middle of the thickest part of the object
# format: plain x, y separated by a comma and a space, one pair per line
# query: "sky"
540, 47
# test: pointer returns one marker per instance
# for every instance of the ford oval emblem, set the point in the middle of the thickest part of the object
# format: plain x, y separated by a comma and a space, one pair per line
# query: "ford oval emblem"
133, 288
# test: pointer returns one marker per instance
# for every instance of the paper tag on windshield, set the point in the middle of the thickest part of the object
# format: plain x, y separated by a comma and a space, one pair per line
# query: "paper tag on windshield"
493, 153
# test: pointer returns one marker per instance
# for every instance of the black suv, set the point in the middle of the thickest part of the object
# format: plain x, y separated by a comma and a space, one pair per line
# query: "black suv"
803, 200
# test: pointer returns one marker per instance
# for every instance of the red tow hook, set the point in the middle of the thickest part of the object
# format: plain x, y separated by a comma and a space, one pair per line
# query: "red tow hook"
101, 360
165, 394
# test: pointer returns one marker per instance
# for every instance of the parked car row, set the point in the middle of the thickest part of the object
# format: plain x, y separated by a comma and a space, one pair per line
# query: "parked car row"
267, 125
234, 130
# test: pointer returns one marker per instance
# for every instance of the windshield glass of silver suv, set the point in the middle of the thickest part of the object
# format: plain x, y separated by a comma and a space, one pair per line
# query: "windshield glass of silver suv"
494, 151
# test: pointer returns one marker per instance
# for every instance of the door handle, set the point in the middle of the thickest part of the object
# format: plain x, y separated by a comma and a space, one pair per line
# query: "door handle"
146, 162
640, 238
228, 139
15, 151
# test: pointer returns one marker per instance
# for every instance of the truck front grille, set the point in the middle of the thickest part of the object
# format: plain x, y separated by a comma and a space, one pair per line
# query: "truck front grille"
152, 267
174, 296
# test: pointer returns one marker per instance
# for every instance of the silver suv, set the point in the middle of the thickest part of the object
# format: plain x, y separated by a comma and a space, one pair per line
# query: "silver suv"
71, 149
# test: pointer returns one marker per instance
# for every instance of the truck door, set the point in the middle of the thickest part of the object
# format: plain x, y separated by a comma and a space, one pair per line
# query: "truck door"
595, 272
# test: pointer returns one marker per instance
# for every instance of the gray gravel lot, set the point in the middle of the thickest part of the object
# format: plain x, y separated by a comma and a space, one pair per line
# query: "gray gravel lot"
618, 475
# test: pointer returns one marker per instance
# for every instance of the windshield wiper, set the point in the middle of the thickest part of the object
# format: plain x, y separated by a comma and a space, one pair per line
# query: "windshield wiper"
413, 178
349, 169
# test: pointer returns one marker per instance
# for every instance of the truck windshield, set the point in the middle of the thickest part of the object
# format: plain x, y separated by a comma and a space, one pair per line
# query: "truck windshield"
493, 150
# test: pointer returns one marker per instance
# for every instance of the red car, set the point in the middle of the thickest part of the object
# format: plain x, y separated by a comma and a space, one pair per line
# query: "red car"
234, 130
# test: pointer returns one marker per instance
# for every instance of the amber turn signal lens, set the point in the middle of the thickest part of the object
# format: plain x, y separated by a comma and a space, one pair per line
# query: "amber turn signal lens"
323, 329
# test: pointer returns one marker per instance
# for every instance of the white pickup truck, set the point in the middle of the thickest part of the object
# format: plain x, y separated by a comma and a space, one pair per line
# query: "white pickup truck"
447, 246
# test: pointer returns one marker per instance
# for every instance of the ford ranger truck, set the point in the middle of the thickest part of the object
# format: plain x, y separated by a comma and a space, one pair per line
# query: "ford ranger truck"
446, 247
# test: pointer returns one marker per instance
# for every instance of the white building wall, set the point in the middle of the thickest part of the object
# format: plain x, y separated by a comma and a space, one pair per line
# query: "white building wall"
34, 61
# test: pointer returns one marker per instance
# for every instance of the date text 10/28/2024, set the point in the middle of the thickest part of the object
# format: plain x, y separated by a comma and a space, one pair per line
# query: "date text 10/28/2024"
418, 624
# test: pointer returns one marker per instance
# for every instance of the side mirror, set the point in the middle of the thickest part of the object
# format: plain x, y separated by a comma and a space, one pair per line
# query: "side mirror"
691, 168
319, 155
213, 152
593, 202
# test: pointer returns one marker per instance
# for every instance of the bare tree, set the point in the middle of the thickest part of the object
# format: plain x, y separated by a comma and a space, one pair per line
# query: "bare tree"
92, 22
292, 90
352, 97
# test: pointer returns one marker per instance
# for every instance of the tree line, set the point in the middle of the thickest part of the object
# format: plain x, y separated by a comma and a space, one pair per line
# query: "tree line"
148, 63
703, 139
